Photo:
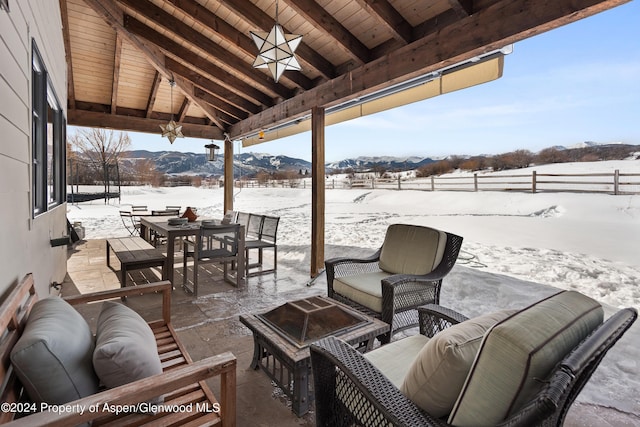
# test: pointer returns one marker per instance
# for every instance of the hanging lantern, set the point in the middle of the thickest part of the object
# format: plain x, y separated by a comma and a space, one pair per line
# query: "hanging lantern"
172, 130
212, 149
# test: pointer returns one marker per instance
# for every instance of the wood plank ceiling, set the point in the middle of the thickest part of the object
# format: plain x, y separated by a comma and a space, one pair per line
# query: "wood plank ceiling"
122, 53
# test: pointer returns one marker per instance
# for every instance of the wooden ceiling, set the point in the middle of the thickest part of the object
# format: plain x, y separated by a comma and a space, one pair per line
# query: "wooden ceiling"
122, 53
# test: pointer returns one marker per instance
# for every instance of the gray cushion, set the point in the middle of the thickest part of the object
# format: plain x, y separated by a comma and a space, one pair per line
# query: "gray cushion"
126, 349
436, 375
365, 288
52, 358
517, 354
394, 359
412, 249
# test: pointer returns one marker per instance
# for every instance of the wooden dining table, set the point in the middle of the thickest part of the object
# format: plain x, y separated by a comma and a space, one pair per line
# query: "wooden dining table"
160, 224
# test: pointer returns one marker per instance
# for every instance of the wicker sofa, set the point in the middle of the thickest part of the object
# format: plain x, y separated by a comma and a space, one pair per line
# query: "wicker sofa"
405, 273
524, 370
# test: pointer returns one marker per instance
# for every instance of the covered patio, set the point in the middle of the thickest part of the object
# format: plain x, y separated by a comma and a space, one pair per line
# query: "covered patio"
209, 325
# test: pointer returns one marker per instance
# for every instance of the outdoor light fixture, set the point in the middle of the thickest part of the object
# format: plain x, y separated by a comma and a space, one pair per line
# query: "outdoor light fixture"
261, 134
172, 130
276, 49
212, 149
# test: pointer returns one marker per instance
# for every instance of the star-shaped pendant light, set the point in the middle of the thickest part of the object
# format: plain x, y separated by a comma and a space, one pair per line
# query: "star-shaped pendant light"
172, 130
276, 50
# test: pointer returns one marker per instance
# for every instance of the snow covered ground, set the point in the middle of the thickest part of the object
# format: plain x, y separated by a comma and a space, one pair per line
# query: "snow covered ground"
586, 242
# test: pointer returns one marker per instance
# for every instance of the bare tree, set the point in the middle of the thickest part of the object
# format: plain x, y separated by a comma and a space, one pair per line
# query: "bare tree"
101, 147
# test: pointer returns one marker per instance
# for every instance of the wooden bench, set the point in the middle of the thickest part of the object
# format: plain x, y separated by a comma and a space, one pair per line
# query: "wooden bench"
135, 253
182, 382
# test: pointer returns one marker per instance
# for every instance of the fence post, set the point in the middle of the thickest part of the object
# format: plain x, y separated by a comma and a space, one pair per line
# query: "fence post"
616, 182
533, 182
475, 182
399, 186
373, 183
433, 184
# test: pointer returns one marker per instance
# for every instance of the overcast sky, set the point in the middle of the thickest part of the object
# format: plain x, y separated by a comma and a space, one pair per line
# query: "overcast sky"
579, 82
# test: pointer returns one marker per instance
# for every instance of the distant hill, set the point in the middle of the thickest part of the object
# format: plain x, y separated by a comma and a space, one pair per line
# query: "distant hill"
178, 163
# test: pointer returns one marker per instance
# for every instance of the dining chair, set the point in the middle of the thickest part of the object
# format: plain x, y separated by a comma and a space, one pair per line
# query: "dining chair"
131, 224
214, 243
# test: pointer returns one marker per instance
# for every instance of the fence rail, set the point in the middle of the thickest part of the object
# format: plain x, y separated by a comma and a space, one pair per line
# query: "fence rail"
611, 183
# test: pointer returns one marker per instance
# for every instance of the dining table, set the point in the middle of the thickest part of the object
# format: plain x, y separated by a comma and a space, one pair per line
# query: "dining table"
160, 225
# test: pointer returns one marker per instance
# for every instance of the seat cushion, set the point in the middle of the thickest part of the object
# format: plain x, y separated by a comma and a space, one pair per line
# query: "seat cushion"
365, 289
412, 249
519, 353
394, 359
436, 375
126, 348
52, 358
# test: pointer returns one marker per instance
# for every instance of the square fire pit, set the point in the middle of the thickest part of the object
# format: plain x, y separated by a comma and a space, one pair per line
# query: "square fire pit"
281, 339
310, 319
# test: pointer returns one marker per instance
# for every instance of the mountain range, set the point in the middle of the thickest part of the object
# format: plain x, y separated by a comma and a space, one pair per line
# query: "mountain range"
179, 163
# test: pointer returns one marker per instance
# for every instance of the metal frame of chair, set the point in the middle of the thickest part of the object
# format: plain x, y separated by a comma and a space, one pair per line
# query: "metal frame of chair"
130, 223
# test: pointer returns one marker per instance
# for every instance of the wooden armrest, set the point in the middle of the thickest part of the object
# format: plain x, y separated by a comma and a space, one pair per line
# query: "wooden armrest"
164, 286
91, 407
434, 318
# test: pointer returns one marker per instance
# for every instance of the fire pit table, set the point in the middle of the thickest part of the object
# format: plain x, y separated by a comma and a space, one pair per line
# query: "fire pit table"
281, 339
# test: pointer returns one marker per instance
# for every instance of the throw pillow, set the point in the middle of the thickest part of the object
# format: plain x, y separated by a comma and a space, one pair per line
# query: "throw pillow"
437, 373
52, 358
126, 349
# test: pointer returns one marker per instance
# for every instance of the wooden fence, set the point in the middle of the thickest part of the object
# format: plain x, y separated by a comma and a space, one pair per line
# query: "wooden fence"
611, 183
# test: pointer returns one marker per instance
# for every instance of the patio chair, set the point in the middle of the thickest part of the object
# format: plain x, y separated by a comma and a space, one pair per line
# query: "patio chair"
266, 240
131, 224
406, 272
158, 239
214, 243
526, 370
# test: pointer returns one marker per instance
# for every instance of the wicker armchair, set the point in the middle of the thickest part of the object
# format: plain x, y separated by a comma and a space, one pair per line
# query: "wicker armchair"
342, 374
405, 273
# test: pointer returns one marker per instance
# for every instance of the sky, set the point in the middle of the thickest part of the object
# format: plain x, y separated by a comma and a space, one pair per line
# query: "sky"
576, 83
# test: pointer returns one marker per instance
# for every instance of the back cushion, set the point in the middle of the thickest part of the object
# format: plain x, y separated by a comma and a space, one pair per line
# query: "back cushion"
517, 354
52, 358
436, 375
412, 249
126, 348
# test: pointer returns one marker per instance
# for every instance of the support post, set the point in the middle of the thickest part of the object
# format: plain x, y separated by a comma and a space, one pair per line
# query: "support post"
317, 190
616, 182
534, 184
228, 176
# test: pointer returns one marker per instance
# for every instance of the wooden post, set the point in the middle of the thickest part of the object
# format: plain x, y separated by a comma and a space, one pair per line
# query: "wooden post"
475, 182
317, 190
228, 176
533, 182
616, 182
399, 187
433, 184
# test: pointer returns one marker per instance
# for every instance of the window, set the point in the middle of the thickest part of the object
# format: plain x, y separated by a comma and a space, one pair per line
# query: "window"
48, 140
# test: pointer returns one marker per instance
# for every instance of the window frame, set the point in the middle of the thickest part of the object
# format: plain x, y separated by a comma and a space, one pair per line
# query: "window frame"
47, 140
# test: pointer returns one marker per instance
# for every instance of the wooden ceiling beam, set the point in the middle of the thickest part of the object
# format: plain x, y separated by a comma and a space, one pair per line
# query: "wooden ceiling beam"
116, 73
225, 99
138, 124
307, 57
242, 41
182, 113
319, 17
462, 8
218, 103
71, 94
389, 18
166, 44
113, 15
154, 92
185, 32
482, 32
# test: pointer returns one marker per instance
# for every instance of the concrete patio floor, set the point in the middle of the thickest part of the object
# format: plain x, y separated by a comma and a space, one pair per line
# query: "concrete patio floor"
209, 325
